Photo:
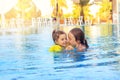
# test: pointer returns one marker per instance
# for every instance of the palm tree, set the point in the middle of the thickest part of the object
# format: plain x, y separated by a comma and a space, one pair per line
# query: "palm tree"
27, 9
82, 3
76, 10
57, 7
105, 10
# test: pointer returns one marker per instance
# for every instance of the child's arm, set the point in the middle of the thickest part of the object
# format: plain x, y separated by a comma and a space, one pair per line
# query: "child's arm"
69, 47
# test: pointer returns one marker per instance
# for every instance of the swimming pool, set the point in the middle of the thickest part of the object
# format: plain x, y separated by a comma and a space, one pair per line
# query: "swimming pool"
26, 57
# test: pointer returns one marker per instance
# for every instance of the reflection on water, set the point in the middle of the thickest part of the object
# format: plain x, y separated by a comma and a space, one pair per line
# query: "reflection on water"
94, 31
22, 30
99, 30
29, 58
74, 57
90, 30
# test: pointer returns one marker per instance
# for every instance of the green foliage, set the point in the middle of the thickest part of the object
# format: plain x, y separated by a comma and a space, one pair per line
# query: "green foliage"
76, 10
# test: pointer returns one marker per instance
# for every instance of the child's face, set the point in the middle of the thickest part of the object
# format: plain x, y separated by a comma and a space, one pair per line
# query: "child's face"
62, 40
71, 38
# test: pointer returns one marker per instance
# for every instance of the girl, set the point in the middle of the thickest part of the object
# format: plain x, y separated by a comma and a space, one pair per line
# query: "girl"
77, 39
60, 40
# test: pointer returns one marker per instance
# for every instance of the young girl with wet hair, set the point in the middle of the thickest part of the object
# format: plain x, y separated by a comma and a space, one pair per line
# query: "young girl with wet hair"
77, 39
60, 40
59, 37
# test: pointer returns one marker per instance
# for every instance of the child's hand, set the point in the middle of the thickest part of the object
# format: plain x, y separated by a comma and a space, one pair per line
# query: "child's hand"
69, 48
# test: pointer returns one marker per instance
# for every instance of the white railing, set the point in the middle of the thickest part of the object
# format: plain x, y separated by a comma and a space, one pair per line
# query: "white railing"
39, 21
79, 21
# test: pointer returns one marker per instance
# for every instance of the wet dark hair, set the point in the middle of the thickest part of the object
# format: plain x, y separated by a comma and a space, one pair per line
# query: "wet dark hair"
56, 34
79, 36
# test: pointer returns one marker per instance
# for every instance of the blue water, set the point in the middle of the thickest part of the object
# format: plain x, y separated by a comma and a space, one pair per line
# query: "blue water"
26, 57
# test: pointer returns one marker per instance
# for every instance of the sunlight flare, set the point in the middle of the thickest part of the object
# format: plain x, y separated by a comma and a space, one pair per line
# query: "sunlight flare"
6, 5
44, 6
94, 9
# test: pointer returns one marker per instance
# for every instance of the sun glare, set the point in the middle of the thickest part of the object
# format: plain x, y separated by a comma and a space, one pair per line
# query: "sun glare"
94, 9
44, 6
6, 5
69, 9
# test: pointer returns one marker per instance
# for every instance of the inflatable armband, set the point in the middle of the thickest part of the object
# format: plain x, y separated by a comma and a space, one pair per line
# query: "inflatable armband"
55, 48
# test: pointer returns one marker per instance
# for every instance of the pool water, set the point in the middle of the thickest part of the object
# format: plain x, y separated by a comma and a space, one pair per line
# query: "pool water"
26, 57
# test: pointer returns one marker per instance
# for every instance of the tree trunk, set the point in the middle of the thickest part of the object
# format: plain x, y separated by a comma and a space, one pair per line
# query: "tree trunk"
82, 13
